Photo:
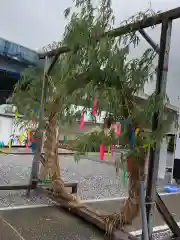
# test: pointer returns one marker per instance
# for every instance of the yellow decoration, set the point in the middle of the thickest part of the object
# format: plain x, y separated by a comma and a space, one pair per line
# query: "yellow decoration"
137, 131
16, 115
21, 137
109, 150
145, 145
9, 144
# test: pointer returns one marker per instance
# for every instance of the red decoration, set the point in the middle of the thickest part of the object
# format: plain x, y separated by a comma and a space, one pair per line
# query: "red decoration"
94, 107
82, 122
101, 152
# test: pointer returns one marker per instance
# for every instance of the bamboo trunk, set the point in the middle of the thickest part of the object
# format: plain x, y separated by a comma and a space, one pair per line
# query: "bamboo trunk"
51, 168
50, 150
130, 210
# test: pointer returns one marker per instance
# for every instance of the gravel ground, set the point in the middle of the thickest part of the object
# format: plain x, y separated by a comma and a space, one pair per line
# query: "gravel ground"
96, 180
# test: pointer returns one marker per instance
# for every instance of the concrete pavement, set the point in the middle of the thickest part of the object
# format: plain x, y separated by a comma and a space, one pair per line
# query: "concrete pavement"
47, 223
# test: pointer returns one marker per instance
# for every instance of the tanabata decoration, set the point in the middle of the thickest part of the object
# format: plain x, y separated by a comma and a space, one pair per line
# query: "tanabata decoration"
12, 141
46, 181
16, 115
109, 150
118, 130
1, 144
91, 103
27, 148
33, 146
21, 137
9, 143
132, 136
137, 131
29, 136
101, 152
82, 121
94, 107
65, 139
112, 150
124, 175
145, 145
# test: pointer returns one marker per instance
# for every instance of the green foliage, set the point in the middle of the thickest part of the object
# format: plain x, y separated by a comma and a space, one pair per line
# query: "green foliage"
97, 67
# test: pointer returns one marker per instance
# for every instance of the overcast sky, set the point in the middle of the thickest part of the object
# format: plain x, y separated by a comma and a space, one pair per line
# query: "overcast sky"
36, 23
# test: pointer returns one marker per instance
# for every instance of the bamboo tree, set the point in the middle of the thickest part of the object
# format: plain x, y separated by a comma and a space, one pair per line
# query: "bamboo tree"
96, 68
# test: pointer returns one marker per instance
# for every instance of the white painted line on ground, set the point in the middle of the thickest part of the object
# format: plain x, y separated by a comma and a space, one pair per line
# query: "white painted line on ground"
155, 229
120, 198
83, 201
27, 206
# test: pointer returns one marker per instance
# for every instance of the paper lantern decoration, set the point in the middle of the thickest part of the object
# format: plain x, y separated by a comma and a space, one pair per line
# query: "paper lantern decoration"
101, 152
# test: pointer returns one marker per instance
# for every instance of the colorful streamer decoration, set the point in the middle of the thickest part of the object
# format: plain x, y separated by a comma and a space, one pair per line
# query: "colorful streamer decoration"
94, 107
112, 150
12, 141
91, 103
16, 115
1, 144
101, 152
21, 137
29, 136
109, 151
9, 143
132, 136
118, 130
33, 146
145, 145
82, 122
27, 148
65, 139
137, 131
124, 175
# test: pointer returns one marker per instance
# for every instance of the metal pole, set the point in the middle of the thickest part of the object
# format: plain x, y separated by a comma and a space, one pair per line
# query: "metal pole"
156, 121
145, 235
40, 130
